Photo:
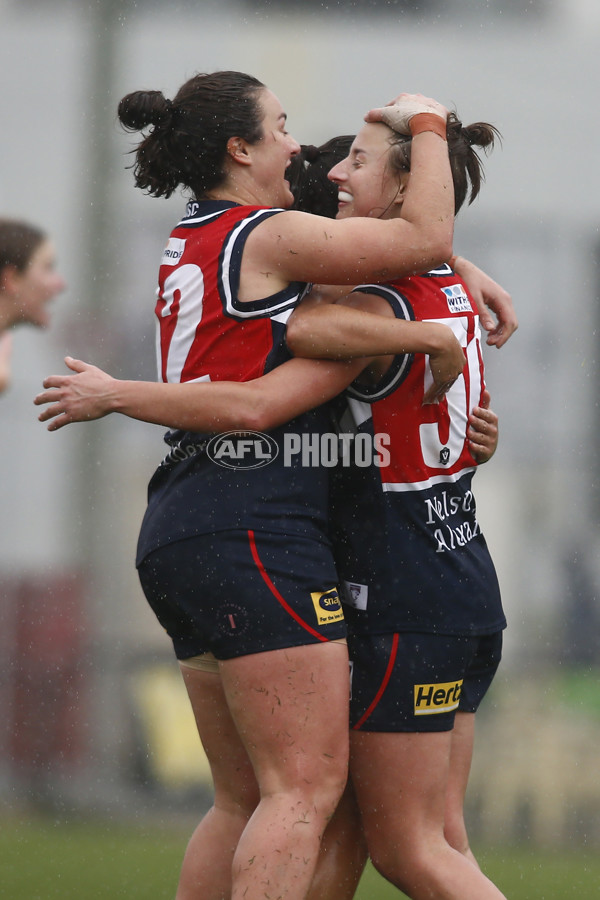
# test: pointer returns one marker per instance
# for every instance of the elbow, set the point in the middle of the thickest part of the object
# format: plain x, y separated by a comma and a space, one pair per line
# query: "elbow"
443, 249
299, 337
257, 414
293, 336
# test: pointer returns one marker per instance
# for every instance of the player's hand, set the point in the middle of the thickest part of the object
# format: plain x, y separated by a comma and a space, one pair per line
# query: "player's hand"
446, 365
483, 431
398, 113
81, 397
490, 298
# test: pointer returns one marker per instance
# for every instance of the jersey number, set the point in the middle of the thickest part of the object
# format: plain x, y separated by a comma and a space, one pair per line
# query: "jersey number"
462, 397
183, 298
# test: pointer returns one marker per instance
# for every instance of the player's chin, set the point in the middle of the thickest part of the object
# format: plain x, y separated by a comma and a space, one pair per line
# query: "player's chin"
344, 211
288, 200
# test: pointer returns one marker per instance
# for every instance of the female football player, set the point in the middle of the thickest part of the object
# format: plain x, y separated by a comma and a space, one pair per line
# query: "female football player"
236, 561
202, 588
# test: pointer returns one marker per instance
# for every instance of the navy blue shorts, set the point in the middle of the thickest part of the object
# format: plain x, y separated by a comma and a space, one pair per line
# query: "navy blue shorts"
417, 682
239, 592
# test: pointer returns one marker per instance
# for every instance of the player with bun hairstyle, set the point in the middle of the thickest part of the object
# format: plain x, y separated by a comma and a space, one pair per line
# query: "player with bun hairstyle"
236, 562
421, 594
28, 282
229, 561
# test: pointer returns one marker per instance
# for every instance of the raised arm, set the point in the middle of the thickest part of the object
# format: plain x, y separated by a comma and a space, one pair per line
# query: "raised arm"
355, 250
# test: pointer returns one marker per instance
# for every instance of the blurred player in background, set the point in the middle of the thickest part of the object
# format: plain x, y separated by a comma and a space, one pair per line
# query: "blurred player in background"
28, 282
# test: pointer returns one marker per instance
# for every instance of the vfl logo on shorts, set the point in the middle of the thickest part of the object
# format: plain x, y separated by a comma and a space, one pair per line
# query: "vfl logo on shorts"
327, 606
436, 698
242, 449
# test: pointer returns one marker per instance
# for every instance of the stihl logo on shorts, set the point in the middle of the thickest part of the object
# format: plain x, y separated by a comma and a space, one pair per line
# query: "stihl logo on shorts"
327, 606
436, 698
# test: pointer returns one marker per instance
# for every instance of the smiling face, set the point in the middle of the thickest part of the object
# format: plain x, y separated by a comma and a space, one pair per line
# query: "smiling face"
36, 286
272, 154
366, 184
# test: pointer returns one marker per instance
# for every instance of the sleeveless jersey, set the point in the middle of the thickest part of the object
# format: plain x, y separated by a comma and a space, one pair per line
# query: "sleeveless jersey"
205, 333
406, 536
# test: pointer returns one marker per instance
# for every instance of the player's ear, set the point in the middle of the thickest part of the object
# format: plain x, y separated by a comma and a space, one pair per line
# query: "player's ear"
9, 278
403, 181
237, 148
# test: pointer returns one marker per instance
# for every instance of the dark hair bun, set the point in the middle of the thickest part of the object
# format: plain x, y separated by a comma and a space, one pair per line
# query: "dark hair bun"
140, 109
310, 153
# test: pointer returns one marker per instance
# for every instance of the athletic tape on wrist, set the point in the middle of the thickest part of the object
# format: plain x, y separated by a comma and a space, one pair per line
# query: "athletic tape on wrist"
427, 122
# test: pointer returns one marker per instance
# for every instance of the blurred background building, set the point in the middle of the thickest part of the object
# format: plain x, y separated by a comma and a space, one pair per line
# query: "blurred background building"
91, 700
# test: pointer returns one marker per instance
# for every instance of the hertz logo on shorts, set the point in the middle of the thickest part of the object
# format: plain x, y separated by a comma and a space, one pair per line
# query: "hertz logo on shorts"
327, 606
436, 698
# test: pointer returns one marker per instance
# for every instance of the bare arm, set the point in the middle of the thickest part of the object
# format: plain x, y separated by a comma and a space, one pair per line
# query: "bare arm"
296, 246
259, 405
364, 325
489, 296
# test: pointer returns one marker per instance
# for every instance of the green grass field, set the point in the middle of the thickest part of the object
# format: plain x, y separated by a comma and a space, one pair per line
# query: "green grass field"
44, 860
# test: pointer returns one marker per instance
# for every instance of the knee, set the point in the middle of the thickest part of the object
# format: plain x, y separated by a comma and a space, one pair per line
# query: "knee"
402, 865
455, 834
325, 793
239, 800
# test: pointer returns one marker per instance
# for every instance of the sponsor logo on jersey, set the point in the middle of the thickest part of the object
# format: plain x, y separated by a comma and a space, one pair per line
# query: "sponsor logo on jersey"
436, 698
242, 449
327, 606
173, 251
457, 299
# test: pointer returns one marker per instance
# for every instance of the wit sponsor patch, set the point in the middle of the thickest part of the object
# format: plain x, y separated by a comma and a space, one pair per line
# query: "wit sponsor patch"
173, 252
458, 301
436, 698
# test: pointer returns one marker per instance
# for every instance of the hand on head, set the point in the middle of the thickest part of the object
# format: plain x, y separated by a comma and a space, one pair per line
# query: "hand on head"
398, 113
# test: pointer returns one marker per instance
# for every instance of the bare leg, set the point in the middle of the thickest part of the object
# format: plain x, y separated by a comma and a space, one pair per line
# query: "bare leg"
461, 754
206, 870
343, 853
291, 711
400, 782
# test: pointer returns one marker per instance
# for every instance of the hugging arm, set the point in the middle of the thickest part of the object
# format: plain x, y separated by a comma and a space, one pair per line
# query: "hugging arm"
258, 405
363, 325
